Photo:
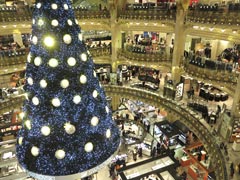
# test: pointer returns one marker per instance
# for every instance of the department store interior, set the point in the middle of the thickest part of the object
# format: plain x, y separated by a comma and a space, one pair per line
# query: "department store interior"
170, 71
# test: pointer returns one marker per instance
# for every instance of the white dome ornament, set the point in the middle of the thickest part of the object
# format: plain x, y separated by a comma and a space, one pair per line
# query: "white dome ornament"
28, 124
64, 83
69, 21
35, 101
56, 102
49, 41
71, 61
53, 62
77, 99
38, 5
34, 40
33, 21
80, 36
83, 79
29, 58
43, 83
88, 147
38, 61
83, 57
30, 81
108, 133
60, 154
54, 23
94, 73
65, 6
94, 121
76, 21
54, 6
95, 93
69, 128
107, 109
45, 130
20, 140
40, 22
67, 39
35, 151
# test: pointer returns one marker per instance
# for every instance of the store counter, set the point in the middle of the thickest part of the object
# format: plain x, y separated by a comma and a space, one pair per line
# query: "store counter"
193, 172
185, 161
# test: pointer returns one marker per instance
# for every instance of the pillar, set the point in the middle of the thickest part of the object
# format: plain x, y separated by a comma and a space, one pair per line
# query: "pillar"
236, 101
179, 41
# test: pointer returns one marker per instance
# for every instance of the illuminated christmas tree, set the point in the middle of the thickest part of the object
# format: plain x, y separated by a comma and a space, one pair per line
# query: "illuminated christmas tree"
67, 127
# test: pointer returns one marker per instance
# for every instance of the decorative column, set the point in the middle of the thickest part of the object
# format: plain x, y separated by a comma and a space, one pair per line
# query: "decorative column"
179, 41
17, 37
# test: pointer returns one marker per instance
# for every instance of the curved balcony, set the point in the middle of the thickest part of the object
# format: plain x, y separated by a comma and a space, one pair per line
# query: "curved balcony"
185, 115
11, 103
214, 18
162, 15
148, 58
223, 79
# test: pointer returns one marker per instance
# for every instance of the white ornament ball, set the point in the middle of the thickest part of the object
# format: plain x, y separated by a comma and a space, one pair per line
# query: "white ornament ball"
83, 79
20, 140
35, 151
94, 74
95, 93
53, 62
67, 39
83, 56
56, 102
108, 133
71, 61
80, 36
77, 99
40, 22
64, 83
69, 21
54, 22
49, 41
43, 83
65, 6
60, 154
35, 101
34, 40
39, 5
107, 109
76, 21
45, 130
94, 121
30, 81
38, 61
29, 57
54, 6
88, 147
28, 124
33, 21
69, 128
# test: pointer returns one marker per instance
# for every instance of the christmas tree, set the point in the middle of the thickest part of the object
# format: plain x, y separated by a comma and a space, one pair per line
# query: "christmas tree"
67, 127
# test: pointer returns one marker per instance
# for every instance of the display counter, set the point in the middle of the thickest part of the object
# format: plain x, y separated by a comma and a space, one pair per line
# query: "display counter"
193, 172
185, 161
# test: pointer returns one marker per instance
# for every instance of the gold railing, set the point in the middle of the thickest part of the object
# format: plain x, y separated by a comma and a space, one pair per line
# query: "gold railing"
163, 15
185, 115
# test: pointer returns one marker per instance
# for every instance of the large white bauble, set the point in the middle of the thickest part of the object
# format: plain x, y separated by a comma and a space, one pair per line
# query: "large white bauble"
69, 21
28, 124
45, 130
53, 62
88, 147
35, 151
54, 22
94, 74
108, 133
54, 6
43, 83
83, 57
38, 5
30, 81
20, 140
34, 40
71, 61
77, 99
60, 154
107, 109
94, 121
56, 102
33, 21
29, 57
65, 6
80, 36
83, 79
69, 128
37, 61
35, 101
67, 39
64, 83
95, 93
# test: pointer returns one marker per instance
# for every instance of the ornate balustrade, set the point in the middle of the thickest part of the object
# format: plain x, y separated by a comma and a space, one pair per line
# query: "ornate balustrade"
182, 113
148, 15
164, 59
